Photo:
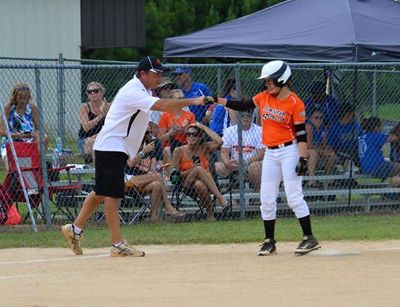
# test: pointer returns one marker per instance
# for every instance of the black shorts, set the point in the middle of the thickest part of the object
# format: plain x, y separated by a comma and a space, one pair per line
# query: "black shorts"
109, 173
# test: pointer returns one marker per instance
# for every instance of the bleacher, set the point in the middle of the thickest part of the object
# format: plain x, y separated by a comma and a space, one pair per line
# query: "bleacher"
336, 194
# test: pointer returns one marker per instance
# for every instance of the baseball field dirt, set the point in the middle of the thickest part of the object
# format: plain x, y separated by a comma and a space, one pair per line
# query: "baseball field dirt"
339, 274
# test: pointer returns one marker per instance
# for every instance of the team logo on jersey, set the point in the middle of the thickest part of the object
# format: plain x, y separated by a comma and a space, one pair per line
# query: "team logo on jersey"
274, 114
302, 113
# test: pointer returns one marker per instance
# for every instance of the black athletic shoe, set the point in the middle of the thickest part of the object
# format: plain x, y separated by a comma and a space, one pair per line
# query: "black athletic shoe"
308, 244
267, 248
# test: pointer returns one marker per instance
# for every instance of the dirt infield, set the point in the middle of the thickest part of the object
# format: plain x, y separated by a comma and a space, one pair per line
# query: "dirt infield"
340, 274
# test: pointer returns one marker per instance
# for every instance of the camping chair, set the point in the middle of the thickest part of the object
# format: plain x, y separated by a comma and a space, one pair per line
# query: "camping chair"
28, 159
132, 209
179, 193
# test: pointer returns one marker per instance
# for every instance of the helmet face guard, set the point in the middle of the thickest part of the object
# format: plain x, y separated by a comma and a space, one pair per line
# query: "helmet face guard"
278, 71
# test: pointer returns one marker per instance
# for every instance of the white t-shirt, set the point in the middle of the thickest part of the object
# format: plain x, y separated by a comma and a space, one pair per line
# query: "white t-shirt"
127, 120
251, 141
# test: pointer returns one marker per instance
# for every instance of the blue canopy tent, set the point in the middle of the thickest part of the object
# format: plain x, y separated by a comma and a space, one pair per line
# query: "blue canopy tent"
301, 30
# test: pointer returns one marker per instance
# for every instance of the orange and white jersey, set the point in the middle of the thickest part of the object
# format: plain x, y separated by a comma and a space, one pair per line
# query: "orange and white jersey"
278, 117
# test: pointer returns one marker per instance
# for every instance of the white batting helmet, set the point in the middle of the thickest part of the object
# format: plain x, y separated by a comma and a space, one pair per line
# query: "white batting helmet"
278, 71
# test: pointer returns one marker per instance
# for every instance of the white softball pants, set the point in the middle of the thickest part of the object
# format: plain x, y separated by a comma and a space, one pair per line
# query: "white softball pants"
280, 163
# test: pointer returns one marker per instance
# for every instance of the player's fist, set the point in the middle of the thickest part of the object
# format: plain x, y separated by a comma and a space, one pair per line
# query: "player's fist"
211, 100
301, 167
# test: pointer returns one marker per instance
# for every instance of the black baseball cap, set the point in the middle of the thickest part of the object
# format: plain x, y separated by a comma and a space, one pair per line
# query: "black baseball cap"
150, 63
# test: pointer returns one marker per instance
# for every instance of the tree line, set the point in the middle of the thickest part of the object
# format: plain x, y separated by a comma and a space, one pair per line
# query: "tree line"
167, 18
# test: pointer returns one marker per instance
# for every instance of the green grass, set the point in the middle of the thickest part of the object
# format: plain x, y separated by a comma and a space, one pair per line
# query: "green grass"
387, 111
382, 227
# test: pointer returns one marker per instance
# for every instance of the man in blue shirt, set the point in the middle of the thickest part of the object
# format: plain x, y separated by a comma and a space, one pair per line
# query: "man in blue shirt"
192, 90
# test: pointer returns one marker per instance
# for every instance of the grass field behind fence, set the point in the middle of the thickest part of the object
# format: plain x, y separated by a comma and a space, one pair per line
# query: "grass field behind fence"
381, 227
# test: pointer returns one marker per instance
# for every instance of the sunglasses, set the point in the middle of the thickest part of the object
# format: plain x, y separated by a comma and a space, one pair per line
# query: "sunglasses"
192, 134
94, 91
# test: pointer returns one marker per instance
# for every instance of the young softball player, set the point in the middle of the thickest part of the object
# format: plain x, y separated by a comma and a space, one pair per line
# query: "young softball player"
285, 139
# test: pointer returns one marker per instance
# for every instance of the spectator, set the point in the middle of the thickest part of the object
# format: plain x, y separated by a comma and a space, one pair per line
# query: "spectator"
223, 117
91, 117
23, 119
317, 134
172, 128
253, 151
192, 90
371, 155
142, 175
191, 162
343, 135
163, 91
319, 100
395, 145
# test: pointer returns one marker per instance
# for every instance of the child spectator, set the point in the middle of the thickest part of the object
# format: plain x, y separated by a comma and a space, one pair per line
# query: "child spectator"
343, 136
320, 101
317, 134
371, 155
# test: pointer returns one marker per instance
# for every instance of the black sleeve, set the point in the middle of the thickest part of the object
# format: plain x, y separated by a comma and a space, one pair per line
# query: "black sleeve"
240, 105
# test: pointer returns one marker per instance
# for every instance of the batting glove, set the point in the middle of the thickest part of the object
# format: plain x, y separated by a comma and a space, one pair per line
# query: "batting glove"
211, 100
301, 167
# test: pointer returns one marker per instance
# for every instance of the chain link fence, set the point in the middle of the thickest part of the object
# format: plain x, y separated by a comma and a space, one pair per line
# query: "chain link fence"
341, 99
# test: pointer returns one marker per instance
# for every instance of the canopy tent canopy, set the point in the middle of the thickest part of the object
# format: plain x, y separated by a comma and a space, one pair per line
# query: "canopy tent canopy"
301, 30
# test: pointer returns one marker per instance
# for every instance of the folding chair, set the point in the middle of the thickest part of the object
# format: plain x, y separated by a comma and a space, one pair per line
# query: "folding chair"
132, 208
28, 159
179, 193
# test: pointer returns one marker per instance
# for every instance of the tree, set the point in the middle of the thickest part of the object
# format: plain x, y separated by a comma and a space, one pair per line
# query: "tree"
167, 18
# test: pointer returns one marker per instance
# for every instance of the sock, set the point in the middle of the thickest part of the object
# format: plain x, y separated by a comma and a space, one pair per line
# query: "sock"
76, 229
269, 227
305, 223
117, 244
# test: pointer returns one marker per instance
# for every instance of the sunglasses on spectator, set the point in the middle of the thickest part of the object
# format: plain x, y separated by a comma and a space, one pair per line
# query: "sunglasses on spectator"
192, 134
93, 91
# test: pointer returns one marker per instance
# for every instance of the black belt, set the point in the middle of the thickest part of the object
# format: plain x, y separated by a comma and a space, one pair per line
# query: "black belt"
280, 145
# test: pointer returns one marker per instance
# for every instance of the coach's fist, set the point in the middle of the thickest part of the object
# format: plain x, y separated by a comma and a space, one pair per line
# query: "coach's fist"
301, 167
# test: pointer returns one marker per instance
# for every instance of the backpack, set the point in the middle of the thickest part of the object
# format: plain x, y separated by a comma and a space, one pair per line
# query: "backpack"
5, 204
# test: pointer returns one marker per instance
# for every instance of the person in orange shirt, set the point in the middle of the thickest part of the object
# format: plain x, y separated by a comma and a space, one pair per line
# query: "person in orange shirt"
172, 127
191, 162
284, 136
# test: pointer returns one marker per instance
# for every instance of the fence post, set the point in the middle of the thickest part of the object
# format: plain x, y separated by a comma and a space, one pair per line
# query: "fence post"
240, 143
42, 149
219, 83
61, 98
374, 111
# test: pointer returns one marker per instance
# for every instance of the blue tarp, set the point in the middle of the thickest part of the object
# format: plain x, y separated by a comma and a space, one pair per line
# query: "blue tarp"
301, 30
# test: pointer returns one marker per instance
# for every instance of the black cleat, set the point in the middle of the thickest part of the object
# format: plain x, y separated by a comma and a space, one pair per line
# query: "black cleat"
267, 248
308, 244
